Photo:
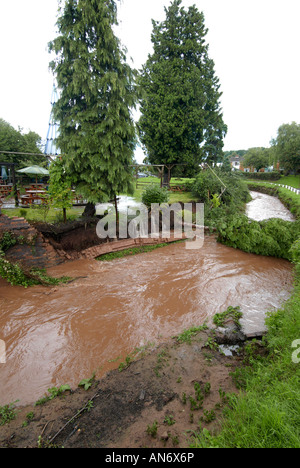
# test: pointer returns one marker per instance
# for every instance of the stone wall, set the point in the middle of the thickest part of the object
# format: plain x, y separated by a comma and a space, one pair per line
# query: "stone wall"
32, 249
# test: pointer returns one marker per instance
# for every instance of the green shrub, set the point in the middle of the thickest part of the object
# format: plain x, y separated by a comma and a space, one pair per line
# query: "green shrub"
273, 237
208, 184
275, 175
155, 194
13, 273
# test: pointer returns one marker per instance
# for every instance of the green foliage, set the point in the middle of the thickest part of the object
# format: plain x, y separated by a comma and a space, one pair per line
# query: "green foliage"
7, 241
187, 335
181, 120
87, 383
257, 158
232, 312
13, 273
60, 185
97, 132
209, 183
287, 145
15, 140
295, 251
128, 252
152, 430
54, 392
7, 413
155, 194
272, 237
274, 175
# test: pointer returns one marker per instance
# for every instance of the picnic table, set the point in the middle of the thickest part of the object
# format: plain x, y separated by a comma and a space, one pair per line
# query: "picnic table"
177, 188
5, 190
33, 197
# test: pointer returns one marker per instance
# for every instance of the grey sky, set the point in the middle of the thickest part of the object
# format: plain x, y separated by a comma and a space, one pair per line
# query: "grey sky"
254, 44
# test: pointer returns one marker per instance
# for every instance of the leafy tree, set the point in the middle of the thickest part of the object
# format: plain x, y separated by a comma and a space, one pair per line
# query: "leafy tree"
14, 140
287, 146
97, 132
210, 182
257, 158
60, 187
181, 121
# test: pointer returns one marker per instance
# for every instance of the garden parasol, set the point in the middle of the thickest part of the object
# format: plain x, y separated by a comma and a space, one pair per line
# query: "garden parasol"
34, 170
3, 173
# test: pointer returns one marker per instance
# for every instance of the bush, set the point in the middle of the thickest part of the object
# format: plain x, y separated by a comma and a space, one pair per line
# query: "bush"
275, 175
155, 194
273, 237
208, 185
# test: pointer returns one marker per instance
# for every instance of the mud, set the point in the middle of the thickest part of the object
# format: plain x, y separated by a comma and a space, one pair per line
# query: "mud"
152, 403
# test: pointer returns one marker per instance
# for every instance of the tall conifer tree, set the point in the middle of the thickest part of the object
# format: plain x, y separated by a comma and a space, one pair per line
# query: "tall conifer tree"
181, 121
97, 132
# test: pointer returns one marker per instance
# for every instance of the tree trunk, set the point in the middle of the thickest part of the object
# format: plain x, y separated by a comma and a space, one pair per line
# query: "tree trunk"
168, 176
166, 179
89, 211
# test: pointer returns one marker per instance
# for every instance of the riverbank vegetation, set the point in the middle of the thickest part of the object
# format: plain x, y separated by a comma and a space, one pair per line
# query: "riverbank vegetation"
272, 238
266, 412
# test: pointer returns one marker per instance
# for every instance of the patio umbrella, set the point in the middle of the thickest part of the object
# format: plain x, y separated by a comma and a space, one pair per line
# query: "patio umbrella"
34, 170
3, 173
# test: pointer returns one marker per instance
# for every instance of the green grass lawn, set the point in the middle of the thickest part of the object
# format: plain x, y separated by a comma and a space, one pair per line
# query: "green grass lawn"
175, 197
293, 181
36, 215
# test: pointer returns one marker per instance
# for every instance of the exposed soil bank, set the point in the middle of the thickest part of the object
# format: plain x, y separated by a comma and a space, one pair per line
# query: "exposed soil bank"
118, 411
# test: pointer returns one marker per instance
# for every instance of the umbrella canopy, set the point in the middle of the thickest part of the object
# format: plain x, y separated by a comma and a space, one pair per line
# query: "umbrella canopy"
34, 170
3, 173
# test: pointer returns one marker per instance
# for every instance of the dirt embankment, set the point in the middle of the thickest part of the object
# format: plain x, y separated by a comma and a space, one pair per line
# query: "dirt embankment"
157, 401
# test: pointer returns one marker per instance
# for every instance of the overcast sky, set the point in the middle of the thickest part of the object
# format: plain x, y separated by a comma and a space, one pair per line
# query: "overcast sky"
254, 44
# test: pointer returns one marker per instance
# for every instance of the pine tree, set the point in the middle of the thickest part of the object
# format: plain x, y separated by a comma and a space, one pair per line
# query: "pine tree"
97, 92
181, 121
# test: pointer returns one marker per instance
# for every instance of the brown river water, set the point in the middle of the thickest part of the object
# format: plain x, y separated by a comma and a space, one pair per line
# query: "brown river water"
63, 334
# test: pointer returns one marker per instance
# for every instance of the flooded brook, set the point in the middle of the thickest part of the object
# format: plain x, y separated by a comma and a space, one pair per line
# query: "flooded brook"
61, 335
265, 207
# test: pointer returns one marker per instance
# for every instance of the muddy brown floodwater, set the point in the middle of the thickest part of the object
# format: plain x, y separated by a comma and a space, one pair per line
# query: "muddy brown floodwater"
264, 206
61, 335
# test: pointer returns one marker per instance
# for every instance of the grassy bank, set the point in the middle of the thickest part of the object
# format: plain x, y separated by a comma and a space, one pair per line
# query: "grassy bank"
175, 197
36, 214
266, 413
130, 252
